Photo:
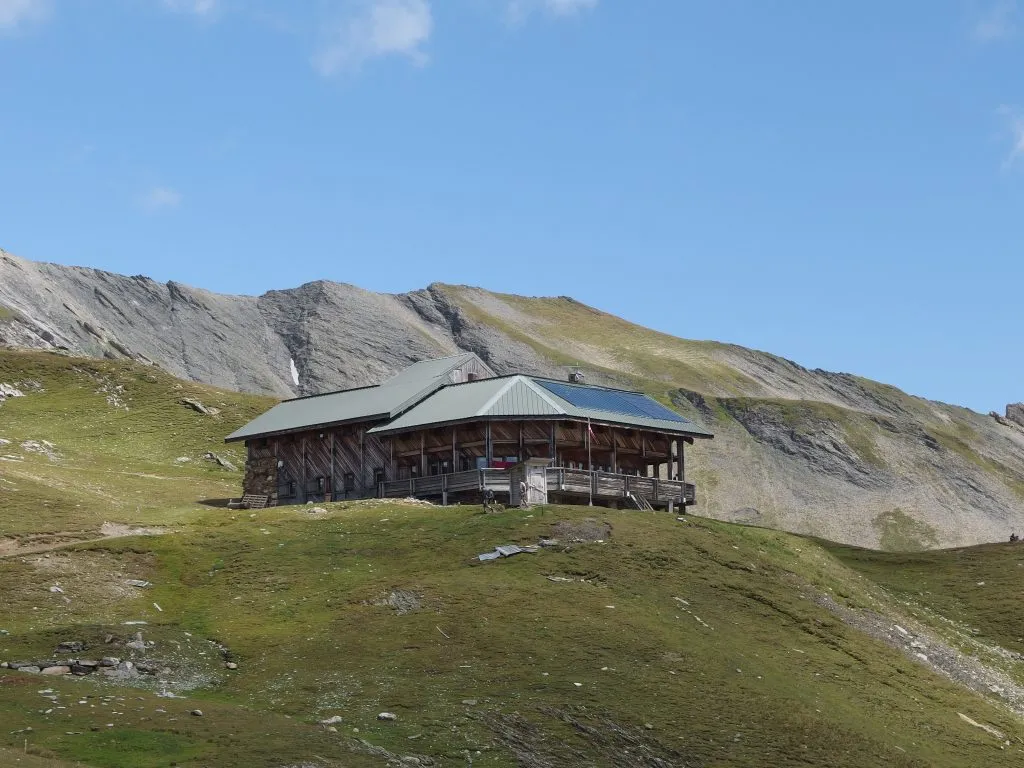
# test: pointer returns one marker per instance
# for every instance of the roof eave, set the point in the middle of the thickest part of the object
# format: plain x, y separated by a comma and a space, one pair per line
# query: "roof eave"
306, 428
383, 431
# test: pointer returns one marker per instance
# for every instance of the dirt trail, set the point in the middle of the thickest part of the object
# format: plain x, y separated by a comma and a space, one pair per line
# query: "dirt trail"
36, 543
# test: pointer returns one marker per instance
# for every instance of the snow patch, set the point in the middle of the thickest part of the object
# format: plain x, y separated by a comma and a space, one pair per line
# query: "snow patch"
295, 371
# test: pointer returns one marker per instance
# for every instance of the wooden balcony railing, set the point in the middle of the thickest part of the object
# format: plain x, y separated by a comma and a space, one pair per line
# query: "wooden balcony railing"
575, 482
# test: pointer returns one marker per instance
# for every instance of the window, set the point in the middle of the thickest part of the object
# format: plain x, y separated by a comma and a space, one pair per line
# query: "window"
350, 482
378, 476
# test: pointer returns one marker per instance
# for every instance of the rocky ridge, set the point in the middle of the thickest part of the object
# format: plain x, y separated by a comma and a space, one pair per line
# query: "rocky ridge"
811, 451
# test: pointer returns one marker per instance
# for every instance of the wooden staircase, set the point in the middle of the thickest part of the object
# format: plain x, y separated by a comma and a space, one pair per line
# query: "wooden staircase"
639, 502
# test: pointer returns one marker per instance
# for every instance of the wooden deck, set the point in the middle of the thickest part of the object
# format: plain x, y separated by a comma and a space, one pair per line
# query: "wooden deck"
569, 482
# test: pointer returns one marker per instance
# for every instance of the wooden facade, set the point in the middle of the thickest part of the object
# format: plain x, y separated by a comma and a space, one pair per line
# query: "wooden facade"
348, 463
453, 456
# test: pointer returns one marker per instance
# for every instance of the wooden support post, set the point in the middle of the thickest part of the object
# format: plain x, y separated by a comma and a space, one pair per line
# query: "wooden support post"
488, 445
553, 451
590, 457
455, 451
615, 452
423, 454
303, 470
332, 468
391, 474
522, 448
682, 470
362, 461
444, 490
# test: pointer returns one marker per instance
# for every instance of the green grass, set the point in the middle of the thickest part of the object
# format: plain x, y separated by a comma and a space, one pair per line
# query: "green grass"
701, 630
764, 678
978, 587
899, 532
116, 462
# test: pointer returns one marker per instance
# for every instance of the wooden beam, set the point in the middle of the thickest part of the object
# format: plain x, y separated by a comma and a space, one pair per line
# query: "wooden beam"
682, 471
521, 456
303, 478
333, 482
679, 459
553, 453
423, 454
362, 461
488, 446
615, 453
455, 452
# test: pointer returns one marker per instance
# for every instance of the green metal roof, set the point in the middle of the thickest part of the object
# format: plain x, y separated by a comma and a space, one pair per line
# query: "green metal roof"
518, 397
397, 394
423, 395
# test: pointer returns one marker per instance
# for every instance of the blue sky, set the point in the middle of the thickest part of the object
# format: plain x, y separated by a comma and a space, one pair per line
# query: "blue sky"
839, 183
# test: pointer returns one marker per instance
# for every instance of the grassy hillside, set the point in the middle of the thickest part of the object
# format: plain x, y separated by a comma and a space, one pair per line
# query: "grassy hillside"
639, 640
694, 642
123, 447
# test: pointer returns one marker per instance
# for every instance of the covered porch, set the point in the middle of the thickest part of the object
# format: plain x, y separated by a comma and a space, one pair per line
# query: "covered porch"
586, 461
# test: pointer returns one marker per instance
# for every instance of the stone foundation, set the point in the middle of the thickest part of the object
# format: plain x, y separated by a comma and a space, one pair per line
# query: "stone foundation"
261, 478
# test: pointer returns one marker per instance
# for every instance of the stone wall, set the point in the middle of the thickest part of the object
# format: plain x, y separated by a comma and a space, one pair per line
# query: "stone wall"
261, 477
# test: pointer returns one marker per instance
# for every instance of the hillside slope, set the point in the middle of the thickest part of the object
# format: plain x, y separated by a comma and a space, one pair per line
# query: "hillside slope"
636, 641
807, 451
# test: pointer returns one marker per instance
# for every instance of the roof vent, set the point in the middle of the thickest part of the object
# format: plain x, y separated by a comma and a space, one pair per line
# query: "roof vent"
576, 375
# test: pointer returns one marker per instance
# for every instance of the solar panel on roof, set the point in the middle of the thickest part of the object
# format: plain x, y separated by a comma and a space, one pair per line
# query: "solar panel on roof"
612, 401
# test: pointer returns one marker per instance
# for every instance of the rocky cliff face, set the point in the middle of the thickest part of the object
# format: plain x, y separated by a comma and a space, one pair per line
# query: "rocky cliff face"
1015, 414
809, 451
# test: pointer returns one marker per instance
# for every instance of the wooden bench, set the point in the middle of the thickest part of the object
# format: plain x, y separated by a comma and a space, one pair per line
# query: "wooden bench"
254, 501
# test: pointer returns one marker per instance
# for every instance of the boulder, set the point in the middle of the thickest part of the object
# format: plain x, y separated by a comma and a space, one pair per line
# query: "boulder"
220, 461
57, 670
69, 646
388, 717
198, 407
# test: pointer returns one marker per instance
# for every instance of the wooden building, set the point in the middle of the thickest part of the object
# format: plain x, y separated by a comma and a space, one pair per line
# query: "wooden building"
450, 430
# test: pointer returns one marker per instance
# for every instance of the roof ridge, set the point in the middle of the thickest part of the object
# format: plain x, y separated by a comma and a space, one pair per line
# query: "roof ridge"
587, 386
334, 392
